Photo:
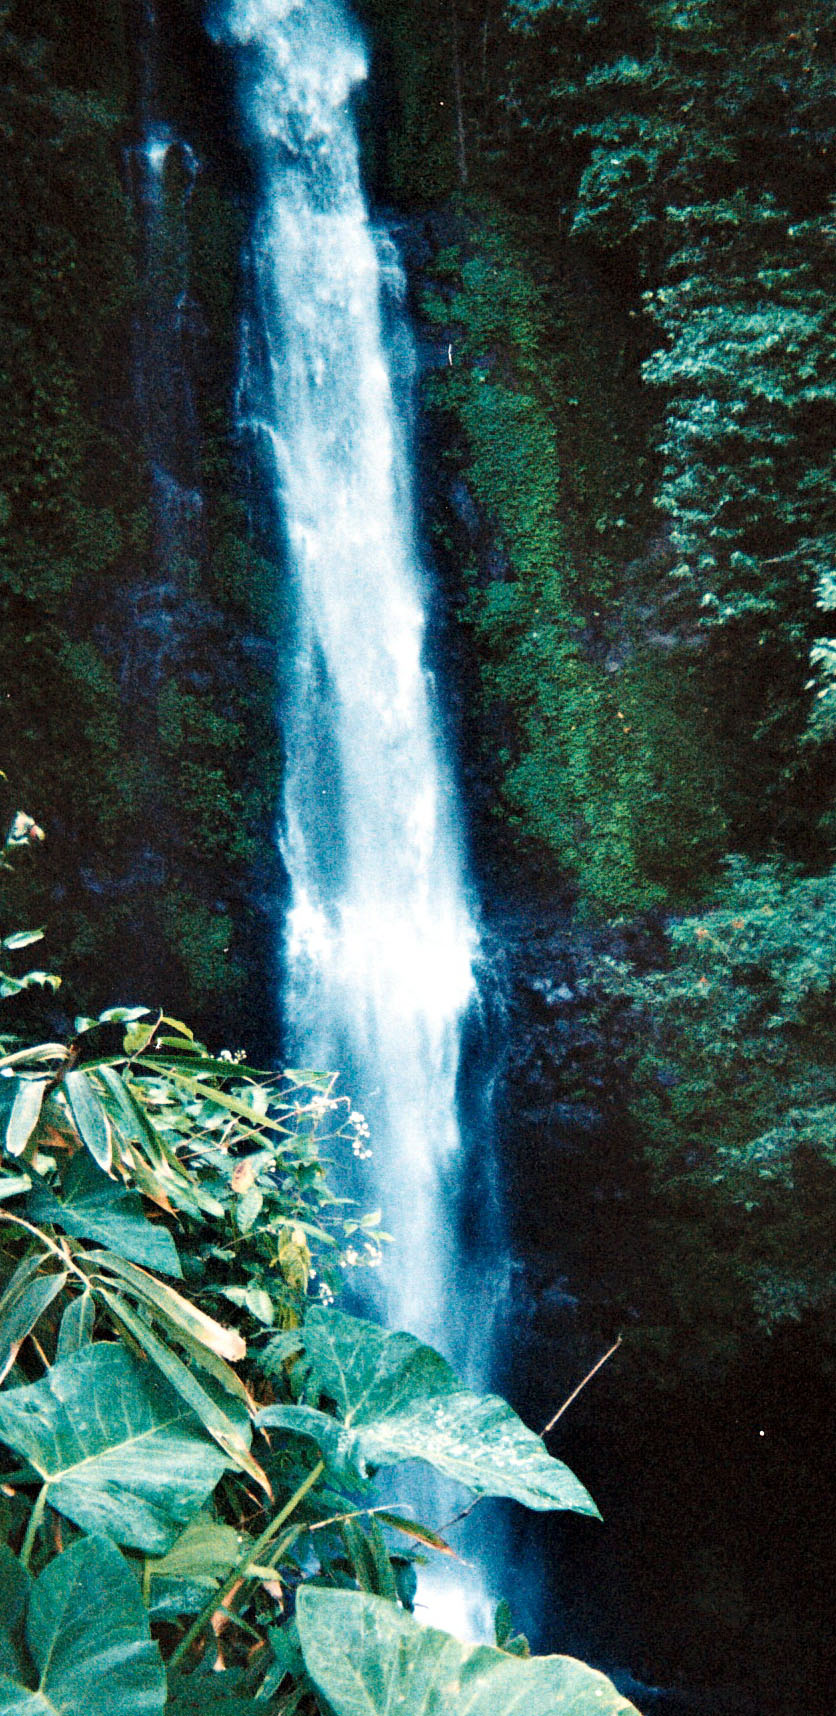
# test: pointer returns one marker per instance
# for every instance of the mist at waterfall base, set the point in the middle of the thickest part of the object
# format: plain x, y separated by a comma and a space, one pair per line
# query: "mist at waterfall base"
380, 944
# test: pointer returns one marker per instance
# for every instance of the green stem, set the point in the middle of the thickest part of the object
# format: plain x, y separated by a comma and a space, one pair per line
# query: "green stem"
33, 1527
218, 1598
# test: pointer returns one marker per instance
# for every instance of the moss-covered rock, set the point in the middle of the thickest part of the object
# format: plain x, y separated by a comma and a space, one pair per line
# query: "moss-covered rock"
609, 761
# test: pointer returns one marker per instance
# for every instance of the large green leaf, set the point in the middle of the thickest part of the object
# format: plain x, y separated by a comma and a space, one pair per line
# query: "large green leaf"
118, 1449
369, 1658
90, 1205
399, 1400
87, 1635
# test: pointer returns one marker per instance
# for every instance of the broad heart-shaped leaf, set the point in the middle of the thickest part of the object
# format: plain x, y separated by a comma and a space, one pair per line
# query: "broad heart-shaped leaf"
87, 1635
399, 1400
119, 1451
369, 1658
90, 1205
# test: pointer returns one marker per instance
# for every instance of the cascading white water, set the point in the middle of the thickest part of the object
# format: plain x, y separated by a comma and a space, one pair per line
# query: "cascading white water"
379, 940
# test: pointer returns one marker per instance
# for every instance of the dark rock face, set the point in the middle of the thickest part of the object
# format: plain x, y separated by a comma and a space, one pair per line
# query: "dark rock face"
708, 1574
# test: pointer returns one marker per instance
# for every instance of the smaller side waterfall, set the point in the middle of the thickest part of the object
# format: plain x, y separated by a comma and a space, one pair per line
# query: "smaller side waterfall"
163, 169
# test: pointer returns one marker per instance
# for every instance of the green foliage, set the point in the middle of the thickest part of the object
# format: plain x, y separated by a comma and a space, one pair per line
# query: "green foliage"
116, 1451
732, 1088
79, 572
87, 1639
367, 1658
163, 1504
398, 1400
689, 146
612, 763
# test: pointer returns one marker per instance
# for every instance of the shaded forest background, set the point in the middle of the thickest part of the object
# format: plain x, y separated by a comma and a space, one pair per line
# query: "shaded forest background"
619, 225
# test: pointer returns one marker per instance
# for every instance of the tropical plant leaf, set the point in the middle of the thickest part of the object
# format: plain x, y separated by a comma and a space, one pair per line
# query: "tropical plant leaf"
205, 1550
77, 1326
226, 1342
129, 1116
22, 938
368, 1658
89, 1205
19, 1319
218, 1098
117, 1449
11, 1185
88, 1639
24, 1113
232, 1433
90, 1117
414, 1529
399, 1400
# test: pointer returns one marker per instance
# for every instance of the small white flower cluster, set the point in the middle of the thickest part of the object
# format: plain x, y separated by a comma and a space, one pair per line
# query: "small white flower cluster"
361, 1131
320, 1105
325, 1295
233, 1055
371, 1256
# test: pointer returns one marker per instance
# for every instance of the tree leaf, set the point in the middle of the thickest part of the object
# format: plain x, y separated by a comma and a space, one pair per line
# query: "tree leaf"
20, 1318
90, 1117
89, 1205
117, 1448
130, 1116
22, 938
25, 1113
399, 1400
88, 1638
77, 1323
227, 1343
205, 1550
231, 1433
368, 1658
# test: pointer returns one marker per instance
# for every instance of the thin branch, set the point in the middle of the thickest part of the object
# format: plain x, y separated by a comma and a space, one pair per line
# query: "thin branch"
358, 1513
576, 1391
550, 1426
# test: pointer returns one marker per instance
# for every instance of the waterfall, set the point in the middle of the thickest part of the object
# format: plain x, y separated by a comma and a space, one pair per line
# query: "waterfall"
163, 168
379, 941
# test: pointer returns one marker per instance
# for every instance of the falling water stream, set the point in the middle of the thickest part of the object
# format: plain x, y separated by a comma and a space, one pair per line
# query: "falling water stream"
380, 943
163, 168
